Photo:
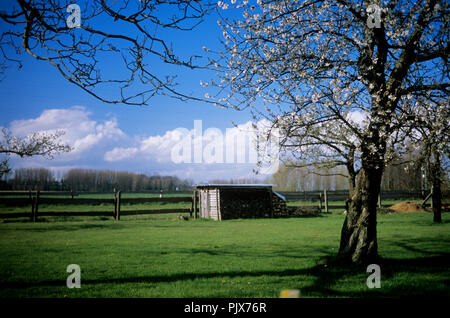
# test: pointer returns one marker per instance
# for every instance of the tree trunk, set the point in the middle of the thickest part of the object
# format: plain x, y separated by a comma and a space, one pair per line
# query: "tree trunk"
358, 236
351, 177
351, 187
351, 182
436, 195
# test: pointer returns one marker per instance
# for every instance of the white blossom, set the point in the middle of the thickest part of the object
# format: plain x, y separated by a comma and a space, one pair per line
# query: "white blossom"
304, 60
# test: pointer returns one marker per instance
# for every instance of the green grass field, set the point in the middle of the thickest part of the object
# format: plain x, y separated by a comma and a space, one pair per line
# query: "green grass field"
235, 258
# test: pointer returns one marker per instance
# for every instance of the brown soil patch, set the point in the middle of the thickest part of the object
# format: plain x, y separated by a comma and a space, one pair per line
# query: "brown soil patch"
407, 206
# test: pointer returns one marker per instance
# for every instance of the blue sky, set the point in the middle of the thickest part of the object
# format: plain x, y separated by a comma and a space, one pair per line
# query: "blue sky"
38, 98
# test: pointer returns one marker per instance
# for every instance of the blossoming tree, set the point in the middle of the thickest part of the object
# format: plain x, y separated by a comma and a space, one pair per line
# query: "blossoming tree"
45, 144
308, 65
430, 131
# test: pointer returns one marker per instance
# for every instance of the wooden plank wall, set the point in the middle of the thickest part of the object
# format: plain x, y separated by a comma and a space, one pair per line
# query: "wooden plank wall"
213, 200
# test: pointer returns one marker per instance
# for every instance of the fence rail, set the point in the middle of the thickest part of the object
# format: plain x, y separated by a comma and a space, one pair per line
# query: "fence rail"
343, 195
35, 199
116, 202
94, 213
90, 201
27, 192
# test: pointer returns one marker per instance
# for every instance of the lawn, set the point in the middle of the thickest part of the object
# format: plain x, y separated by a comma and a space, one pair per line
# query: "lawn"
235, 258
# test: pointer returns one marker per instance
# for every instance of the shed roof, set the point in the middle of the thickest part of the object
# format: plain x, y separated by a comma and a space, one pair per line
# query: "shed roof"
219, 185
282, 197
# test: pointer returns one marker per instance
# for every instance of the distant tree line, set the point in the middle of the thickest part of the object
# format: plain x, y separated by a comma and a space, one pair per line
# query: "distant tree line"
243, 180
31, 179
85, 180
408, 175
310, 178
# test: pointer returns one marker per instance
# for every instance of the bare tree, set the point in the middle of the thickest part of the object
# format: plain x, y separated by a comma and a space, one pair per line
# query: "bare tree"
125, 35
319, 61
36, 144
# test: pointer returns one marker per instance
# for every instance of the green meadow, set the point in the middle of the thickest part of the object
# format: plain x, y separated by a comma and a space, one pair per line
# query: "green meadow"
167, 257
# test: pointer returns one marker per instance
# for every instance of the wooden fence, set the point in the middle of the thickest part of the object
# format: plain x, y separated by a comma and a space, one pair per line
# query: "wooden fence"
324, 197
37, 198
343, 195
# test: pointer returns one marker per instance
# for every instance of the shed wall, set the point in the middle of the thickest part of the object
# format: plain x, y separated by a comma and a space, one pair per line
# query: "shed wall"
222, 203
245, 203
209, 204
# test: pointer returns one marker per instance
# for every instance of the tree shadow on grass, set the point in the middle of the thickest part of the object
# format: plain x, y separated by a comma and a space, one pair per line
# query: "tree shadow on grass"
410, 245
70, 227
329, 275
326, 275
429, 222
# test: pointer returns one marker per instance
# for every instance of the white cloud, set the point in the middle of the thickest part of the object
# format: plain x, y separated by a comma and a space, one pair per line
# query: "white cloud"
155, 148
101, 144
89, 138
235, 145
81, 132
52, 119
118, 154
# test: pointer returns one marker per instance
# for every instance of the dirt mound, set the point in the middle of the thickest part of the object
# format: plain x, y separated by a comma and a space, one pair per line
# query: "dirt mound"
407, 206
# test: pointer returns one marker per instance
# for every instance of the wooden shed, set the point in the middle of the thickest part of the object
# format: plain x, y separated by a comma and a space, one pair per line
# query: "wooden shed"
233, 201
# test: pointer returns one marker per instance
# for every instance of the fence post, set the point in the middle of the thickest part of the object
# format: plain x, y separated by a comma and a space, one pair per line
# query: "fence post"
326, 200
115, 204
32, 207
197, 204
431, 192
379, 199
194, 202
30, 194
320, 202
35, 207
118, 206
